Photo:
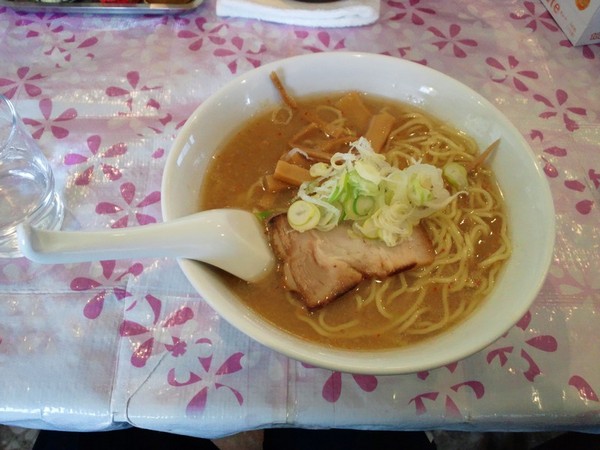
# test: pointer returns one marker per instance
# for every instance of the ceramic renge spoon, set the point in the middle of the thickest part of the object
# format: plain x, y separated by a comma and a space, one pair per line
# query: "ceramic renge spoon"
230, 239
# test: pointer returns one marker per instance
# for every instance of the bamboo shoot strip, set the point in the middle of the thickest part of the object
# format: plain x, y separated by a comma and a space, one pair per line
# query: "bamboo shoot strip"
285, 96
331, 145
329, 129
354, 110
379, 129
291, 173
295, 141
483, 156
295, 157
273, 185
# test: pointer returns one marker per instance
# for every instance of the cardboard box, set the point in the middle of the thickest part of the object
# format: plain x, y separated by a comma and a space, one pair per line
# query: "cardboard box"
579, 19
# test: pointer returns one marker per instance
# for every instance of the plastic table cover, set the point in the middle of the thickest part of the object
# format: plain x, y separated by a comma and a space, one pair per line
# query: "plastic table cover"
103, 345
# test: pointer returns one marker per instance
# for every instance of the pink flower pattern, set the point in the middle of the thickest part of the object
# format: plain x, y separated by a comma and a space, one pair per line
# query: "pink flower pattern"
551, 158
25, 80
586, 392
165, 124
36, 25
549, 168
561, 108
67, 46
201, 372
58, 131
332, 388
451, 409
586, 205
101, 288
322, 42
509, 72
110, 171
534, 15
130, 93
210, 380
197, 36
451, 40
239, 50
412, 10
545, 343
130, 209
587, 51
150, 346
581, 286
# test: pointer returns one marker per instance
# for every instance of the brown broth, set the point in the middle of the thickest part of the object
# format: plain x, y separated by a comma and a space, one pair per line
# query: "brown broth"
252, 153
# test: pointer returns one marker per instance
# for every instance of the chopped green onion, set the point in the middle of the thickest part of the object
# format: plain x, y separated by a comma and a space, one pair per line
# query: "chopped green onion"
263, 215
303, 216
360, 185
368, 228
368, 171
319, 169
419, 190
340, 188
382, 201
358, 207
363, 205
456, 175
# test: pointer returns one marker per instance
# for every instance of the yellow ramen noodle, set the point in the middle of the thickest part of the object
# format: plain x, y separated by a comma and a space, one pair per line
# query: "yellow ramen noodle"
470, 235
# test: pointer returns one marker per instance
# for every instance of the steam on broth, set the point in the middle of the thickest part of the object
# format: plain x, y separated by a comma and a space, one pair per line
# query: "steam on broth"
469, 236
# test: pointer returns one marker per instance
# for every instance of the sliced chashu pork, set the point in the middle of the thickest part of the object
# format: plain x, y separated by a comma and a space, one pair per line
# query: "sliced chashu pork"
321, 266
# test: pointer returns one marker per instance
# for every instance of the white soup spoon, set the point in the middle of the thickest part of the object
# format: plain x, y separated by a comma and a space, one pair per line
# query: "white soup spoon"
231, 239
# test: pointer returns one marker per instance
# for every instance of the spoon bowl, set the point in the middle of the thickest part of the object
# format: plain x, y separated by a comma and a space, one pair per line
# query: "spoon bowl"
230, 239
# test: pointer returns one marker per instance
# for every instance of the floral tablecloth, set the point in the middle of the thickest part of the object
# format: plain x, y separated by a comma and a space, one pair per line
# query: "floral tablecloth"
102, 345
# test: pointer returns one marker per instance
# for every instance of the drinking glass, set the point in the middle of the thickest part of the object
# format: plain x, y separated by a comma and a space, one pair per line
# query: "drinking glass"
27, 191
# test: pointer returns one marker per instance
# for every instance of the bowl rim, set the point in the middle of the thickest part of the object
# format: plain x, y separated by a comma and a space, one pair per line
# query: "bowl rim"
377, 362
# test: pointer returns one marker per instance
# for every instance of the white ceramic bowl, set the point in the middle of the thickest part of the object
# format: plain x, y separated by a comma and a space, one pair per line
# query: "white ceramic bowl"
530, 206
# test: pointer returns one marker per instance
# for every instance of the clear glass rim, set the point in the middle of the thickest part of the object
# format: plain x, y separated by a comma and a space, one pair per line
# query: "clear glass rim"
13, 126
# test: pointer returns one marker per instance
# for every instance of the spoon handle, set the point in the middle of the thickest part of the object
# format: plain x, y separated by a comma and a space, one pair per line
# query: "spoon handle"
46, 246
230, 239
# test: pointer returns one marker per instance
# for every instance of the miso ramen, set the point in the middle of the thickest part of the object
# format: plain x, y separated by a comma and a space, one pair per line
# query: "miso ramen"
469, 235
